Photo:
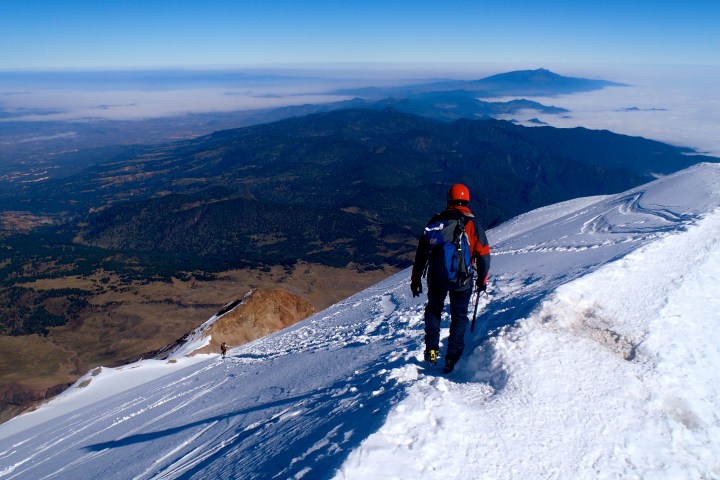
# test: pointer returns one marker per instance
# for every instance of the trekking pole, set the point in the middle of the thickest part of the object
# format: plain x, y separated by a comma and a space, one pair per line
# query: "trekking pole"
477, 300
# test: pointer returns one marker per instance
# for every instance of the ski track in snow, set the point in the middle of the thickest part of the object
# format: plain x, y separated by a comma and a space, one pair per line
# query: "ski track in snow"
345, 392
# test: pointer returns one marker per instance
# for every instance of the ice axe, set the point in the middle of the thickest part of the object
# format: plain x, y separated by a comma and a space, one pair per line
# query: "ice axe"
477, 300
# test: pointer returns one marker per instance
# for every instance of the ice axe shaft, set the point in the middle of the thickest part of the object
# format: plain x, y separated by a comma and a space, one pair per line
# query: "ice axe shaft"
477, 300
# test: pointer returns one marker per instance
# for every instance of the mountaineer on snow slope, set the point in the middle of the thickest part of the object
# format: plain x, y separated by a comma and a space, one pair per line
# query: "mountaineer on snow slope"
450, 248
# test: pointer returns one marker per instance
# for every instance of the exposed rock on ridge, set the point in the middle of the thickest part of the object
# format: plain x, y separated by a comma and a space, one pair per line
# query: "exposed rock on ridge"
261, 312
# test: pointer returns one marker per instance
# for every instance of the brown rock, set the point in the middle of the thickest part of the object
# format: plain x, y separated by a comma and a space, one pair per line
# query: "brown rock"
261, 312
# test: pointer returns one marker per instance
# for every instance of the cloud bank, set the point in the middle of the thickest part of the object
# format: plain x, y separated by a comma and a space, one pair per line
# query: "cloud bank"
679, 106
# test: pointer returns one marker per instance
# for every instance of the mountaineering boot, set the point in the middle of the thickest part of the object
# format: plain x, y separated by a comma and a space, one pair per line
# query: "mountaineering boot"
449, 365
431, 356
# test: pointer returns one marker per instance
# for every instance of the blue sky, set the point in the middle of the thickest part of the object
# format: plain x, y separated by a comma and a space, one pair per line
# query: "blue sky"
96, 34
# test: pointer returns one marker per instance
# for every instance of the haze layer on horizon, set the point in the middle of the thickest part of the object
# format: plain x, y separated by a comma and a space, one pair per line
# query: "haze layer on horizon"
678, 105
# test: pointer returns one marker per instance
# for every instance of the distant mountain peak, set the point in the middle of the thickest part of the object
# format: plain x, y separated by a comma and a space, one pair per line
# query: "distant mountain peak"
540, 81
525, 75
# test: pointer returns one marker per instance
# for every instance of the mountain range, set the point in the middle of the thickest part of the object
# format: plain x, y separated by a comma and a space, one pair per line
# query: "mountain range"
452, 100
537, 83
361, 180
31, 143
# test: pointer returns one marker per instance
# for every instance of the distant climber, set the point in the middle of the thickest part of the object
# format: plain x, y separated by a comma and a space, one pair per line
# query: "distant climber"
451, 247
223, 349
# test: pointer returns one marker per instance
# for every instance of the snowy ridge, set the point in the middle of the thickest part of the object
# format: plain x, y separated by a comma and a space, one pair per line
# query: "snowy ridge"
595, 357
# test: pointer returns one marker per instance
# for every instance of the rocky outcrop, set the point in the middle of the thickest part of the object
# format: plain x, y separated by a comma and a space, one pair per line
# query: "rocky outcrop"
261, 312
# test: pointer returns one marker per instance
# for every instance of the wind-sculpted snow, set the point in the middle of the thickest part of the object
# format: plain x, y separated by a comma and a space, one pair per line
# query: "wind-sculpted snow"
570, 373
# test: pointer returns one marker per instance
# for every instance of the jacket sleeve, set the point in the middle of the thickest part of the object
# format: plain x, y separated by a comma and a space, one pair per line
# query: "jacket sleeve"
421, 259
481, 252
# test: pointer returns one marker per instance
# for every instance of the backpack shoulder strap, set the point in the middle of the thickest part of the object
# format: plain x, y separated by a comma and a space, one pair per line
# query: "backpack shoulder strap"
461, 217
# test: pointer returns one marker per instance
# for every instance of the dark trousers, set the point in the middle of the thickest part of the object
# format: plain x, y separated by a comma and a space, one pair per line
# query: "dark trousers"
459, 302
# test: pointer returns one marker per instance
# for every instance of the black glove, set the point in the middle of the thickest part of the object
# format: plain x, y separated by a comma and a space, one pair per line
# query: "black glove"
416, 287
480, 285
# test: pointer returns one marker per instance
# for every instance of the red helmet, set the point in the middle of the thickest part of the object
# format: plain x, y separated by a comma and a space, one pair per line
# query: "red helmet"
458, 192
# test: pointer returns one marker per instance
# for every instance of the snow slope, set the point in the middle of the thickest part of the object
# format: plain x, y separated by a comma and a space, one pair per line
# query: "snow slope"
595, 357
